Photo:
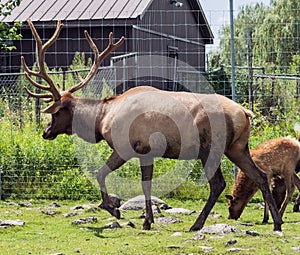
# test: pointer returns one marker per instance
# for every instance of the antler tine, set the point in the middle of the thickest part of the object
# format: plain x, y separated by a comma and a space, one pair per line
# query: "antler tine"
41, 49
98, 58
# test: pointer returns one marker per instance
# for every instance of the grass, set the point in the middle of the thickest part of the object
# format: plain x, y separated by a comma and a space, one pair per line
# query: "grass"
44, 234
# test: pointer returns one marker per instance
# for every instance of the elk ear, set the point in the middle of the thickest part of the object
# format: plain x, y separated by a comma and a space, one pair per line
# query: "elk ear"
52, 109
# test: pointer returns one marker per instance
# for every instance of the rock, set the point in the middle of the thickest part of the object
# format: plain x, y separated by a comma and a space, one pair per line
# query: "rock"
231, 242
87, 220
93, 209
54, 205
129, 223
251, 233
11, 223
174, 247
214, 215
50, 212
206, 249
167, 220
199, 236
138, 203
247, 224
77, 207
164, 207
219, 229
177, 234
236, 249
113, 225
71, 214
155, 210
25, 204
178, 210
12, 203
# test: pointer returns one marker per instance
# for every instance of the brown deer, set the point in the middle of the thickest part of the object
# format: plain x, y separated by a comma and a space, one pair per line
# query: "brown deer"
146, 123
279, 159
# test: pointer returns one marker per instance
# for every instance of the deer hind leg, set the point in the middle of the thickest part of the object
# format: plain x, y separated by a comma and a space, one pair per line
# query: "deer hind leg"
147, 172
297, 201
114, 162
290, 187
241, 157
217, 185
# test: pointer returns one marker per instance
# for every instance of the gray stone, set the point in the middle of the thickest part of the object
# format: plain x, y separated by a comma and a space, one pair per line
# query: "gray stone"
167, 220
206, 249
138, 203
71, 214
49, 211
87, 220
25, 204
252, 233
113, 225
11, 223
219, 229
199, 236
231, 242
177, 234
54, 205
178, 210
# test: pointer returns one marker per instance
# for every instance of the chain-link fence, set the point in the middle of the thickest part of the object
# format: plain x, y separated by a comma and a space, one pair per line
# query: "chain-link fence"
31, 166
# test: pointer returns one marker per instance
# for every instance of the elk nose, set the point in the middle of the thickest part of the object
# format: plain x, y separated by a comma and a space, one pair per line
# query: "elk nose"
48, 134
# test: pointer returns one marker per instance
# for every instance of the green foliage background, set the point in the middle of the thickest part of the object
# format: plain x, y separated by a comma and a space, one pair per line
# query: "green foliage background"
33, 167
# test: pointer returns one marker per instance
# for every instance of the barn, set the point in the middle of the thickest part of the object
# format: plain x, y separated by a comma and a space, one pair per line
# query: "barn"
177, 30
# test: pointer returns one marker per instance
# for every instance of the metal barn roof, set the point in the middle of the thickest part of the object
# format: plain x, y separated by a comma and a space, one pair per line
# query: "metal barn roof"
41, 10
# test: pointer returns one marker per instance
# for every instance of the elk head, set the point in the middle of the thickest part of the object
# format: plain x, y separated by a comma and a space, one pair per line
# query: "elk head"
64, 103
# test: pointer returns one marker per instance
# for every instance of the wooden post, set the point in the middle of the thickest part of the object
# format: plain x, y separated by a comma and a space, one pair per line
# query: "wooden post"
250, 70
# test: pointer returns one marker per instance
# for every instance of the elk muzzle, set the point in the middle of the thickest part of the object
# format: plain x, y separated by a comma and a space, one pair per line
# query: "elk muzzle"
48, 135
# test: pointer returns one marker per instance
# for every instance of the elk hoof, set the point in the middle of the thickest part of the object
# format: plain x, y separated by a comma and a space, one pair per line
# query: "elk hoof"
194, 228
146, 225
277, 227
112, 210
117, 213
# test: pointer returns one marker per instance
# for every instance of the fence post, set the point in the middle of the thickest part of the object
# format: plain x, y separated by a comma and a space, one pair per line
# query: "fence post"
250, 70
38, 104
232, 63
0, 178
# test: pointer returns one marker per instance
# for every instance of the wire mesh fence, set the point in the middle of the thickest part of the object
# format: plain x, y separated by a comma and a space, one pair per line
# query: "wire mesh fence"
161, 50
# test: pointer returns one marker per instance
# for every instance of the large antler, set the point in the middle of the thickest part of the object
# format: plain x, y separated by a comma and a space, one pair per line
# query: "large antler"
41, 49
98, 58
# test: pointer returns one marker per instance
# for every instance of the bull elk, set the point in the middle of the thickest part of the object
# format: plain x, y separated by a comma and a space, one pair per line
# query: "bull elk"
145, 122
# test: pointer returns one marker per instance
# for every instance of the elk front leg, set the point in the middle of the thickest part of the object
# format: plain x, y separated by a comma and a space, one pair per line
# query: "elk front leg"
114, 162
147, 172
217, 185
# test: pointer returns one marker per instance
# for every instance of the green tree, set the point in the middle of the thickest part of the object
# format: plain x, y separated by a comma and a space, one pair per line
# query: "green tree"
8, 32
